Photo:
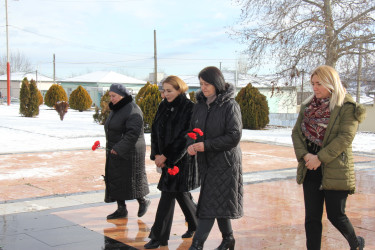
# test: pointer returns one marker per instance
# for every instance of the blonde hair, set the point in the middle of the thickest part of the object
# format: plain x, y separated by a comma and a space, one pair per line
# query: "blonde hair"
330, 79
177, 83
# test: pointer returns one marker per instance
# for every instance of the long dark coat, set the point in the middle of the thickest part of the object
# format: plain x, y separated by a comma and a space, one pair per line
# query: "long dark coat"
125, 173
169, 137
220, 164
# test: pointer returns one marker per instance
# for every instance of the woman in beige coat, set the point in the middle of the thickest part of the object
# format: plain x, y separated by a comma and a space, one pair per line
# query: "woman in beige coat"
322, 139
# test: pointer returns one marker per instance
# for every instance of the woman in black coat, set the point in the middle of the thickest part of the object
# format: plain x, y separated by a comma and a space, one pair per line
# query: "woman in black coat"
218, 115
168, 149
125, 174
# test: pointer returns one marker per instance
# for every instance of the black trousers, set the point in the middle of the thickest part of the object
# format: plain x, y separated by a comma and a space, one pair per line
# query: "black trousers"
335, 208
205, 226
164, 215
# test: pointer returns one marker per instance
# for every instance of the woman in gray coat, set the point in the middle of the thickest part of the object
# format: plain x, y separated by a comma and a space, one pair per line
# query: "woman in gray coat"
125, 174
218, 152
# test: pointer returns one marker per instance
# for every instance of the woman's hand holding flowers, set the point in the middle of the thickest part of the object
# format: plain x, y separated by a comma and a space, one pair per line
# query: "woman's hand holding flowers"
160, 161
196, 147
191, 150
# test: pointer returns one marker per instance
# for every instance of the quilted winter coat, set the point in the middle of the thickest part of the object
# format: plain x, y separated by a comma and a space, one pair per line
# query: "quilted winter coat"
168, 137
220, 164
336, 152
125, 172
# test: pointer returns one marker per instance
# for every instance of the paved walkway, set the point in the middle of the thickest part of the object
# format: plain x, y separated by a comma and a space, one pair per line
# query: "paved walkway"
53, 200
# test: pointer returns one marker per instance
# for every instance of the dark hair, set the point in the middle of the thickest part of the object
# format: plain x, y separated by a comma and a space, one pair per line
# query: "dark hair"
213, 76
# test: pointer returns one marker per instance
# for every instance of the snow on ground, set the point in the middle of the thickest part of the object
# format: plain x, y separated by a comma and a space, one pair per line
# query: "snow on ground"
78, 130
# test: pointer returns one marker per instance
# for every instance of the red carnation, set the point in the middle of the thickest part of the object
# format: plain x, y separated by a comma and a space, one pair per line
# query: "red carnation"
173, 171
96, 145
192, 135
199, 131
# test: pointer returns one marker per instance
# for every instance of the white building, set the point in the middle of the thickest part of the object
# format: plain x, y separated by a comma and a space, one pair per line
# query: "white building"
42, 82
98, 82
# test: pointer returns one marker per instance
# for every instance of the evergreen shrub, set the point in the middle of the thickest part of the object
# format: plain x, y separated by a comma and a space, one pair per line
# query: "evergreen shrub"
40, 98
29, 101
55, 93
34, 99
148, 99
192, 97
102, 114
80, 99
24, 97
254, 108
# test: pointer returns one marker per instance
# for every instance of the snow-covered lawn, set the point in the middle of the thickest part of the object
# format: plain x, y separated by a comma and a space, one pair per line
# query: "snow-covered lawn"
79, 131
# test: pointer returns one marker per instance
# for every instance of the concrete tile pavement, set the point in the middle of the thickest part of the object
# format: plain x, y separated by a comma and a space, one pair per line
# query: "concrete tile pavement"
64, 190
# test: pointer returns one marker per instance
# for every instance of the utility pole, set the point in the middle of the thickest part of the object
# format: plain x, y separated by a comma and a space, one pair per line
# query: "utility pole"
359, 73
8, 64
54, 69
155, 61
220, 66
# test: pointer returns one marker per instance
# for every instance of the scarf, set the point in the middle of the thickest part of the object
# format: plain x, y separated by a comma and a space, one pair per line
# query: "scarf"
315, 120
211, 99
121, 103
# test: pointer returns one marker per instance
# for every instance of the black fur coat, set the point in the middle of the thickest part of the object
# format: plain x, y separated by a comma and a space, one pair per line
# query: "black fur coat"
168, 138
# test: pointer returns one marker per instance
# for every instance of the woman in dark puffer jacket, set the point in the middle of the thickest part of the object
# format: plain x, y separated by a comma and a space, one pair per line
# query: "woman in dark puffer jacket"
218, 152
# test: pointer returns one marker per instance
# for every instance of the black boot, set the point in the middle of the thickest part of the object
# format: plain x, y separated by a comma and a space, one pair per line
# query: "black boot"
361, 243
227, 243
188, 234
196, 245
121, 212
144, 203
155, 244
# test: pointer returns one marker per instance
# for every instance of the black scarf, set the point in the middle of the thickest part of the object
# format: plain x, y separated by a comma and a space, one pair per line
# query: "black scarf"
127, 99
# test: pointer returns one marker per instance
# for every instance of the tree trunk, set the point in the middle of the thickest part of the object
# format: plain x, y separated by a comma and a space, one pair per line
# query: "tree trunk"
331, 36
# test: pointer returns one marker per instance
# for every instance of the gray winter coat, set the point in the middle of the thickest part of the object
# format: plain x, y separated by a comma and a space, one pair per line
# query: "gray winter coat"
125, 172
220, 164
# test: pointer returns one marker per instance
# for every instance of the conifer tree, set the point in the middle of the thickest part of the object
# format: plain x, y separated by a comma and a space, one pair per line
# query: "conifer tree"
80, 99
24, 97
55, 94
142, 93
148, 100
192, 97
29, 101
40, 98
34, 100
101, 115
254, 108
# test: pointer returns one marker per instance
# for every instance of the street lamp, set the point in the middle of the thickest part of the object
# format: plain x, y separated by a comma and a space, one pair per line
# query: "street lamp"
8, 64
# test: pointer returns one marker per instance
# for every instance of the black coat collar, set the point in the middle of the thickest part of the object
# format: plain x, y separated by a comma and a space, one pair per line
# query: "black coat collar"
127, 99
177, 101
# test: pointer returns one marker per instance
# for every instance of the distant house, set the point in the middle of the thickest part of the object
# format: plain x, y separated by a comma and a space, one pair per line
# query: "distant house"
43, 83
97, 83
280, 100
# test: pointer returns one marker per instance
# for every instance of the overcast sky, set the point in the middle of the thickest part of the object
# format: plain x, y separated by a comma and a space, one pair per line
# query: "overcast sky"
90, 35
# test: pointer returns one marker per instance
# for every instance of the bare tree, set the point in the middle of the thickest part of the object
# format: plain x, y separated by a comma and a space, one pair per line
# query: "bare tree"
301, 34
18, 62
